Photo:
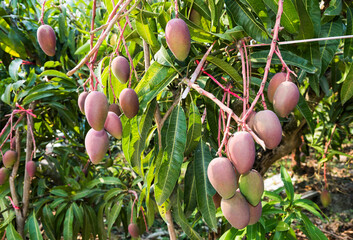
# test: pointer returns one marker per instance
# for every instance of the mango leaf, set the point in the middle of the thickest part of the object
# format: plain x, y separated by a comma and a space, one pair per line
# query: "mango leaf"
197, 33
113, 215
230, 35
252, 25
304, 109
103, 180
290, 18
68, 222
78, 213
33, 226
204, 189
348, 43
259, 8
201, 7
256, 232
153, 82
306, 28
194, 128
232, 234
169, 170
308, 205
190, 190
328, 48
11, 233
54, 73
334, 9
13, 68
163, 58
311, 230
287, 181
347, 86
143, 27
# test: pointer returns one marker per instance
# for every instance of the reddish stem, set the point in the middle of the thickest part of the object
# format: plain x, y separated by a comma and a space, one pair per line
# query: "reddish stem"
133, 204
42, 14
244, 79
144, 219
176, 9
247, 73
110, 76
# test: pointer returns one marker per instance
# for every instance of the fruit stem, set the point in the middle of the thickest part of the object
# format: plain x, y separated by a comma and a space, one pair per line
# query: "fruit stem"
240, 48
248, 69
144, 218
42, 13
176, 8
110, 76
133, 204
285, 66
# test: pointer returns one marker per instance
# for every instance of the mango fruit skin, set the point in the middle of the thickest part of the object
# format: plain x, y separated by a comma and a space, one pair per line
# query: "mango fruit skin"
286, 98
268, 127
178, 38
222, 177
96, 109
241, 151
81, 101
195, 17
134, 230
4, 175
129, 102
9, 158
255, 213
276, 80
251, 185
113, 125
96, 143
217, 200
325, 198
47, 39
31, 168
121, 69
236, 210
114, 108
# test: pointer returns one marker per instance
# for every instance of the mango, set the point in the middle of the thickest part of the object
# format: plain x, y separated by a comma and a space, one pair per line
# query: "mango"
81, 101
268, 128
96, 109
113, 125
286, 98
178, 38
217, 200
9, 158
129, 102
114, 108
31, 168
251, 185
47, 39
255, 213
4, 175
222, 177
121, 69
250, 119
195, 17
241, 151
134, 230
276, 80
325, 198
96, 143
236, 210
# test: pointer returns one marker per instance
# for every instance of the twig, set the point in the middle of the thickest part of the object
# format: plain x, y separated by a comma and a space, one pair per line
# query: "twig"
133, 204
146, 54
42, 13
176, 8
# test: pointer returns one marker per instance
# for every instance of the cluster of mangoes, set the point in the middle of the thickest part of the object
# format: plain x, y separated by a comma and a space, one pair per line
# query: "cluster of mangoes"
243, 207
9, 160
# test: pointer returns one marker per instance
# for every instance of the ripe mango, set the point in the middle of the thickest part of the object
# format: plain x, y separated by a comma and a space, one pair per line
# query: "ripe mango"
121, 69
236, 210
268, 128
96, 109
4, 175
255, 213
134, 230
251, 185
222, 177
114, 108
47, 39
276, 80
113, 125
9, 158
96, 143
241, 151
286, 98
129, 102
178, 38
31, 168
81, 101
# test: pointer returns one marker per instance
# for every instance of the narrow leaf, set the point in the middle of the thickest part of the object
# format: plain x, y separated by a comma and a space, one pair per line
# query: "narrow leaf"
34, 231
13, 68
304, 109
194, 128
68, 228
287, 181
11, 233
348, 43
190, 190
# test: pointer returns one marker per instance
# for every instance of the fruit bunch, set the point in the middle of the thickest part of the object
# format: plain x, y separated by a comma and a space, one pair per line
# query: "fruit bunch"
240, 186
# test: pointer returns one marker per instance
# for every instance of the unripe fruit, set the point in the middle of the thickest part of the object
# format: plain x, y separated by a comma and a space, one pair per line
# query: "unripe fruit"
195, 17
178, 38
222, 177
134, 230
217, 200
255, 213
47, 39
286, 98
4, 175
241, 151
96, 109
121, 69
268, 128
276, 80
113, 125
81, 101
9, 158
96, 143
325, 198
236, 210
31, 168
129, 102
251, 185
114, 108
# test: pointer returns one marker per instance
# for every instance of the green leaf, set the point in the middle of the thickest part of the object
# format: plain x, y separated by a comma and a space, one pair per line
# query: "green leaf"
347, 86
256, 232
13, 68
169, 170
33, 226
252, 25
259, 8
290, 18
54, 73
204, 189
201, 7
163, 58
69, 219
84, 48
103, 180
334, 9
112, 193
282, 226
143, 27
312, 231
113, 215
78, 213
190, 190
232, 234
59, 192
194, 128
287, 184
230, 35
348, 43
153, 82
308, 205
62, 28
306, 28
11, 233
197, 33
48, 222
304, 109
